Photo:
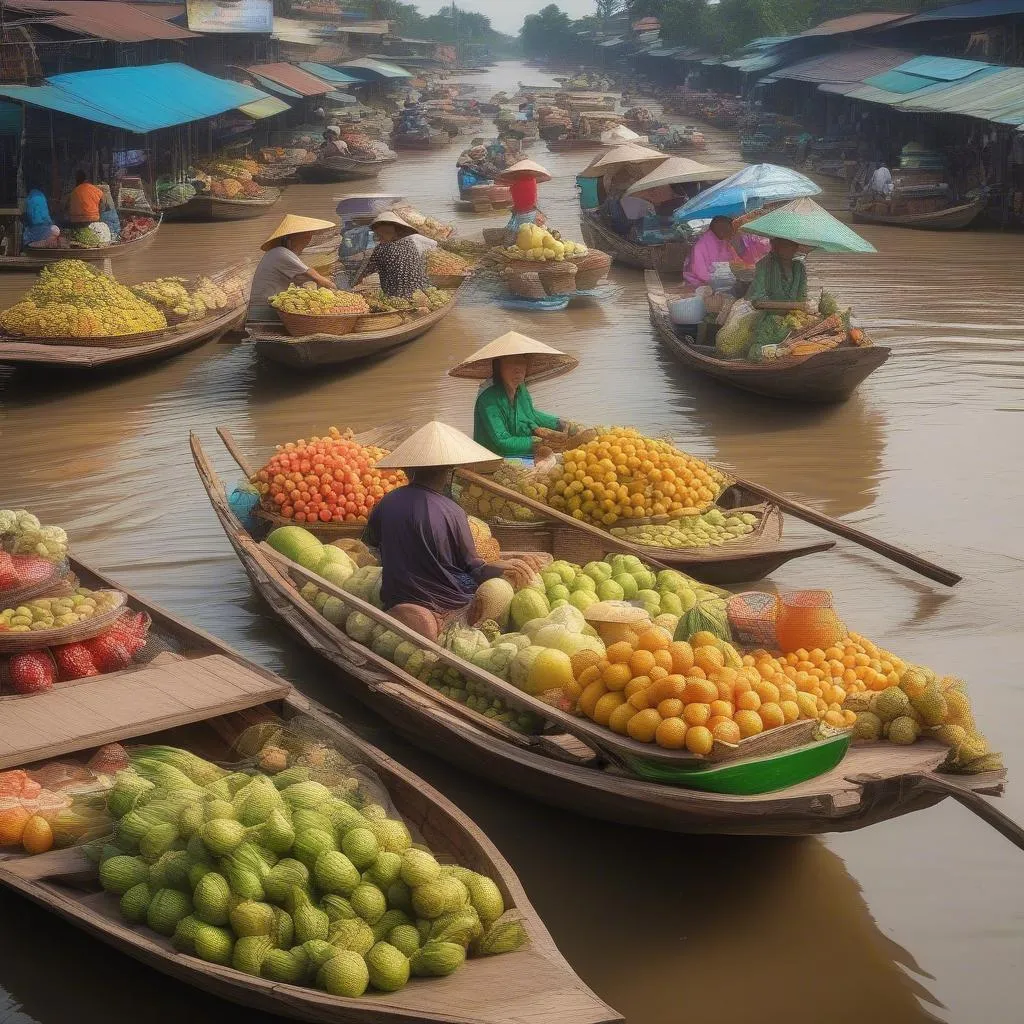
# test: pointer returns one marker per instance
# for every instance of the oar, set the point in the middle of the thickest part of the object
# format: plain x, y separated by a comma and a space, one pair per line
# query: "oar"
229, 442
547, 512
899, 555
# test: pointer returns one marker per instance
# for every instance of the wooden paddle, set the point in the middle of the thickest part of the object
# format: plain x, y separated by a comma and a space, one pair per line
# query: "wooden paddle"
899, 555
229, 442
550, 513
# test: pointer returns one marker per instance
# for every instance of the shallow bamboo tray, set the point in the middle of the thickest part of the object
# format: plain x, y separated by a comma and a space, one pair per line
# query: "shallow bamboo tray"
34, 640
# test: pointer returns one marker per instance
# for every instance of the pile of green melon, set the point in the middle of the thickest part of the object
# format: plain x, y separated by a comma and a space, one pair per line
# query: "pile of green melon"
285, 878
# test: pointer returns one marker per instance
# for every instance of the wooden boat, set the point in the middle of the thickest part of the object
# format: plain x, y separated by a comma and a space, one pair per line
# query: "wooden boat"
272, 342
872, 783
133, 349
433, 141
823, 377
569, 145
207, 207
340, 168
953, 218
37, 258
667, 258
201, 693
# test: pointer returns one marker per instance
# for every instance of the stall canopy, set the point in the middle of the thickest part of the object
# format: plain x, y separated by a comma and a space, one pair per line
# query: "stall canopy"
329, 74
844, 71
103, 19
137, 99
369, 70
921, 77
268, 107
971, 11
296, 80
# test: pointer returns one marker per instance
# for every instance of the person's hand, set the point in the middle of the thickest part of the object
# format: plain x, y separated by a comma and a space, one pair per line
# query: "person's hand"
517, 571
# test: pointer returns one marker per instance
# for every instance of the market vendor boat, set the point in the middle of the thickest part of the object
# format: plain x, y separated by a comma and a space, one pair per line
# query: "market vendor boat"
420, 140
37, 257
192, 691
951, 218
340, 168
128, 350
822, 377
272, 341
204, 206
667, 257
817, 786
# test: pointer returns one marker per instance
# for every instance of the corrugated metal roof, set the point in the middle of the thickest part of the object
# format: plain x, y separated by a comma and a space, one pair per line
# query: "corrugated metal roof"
995, 95
291, 77
260, 109
116, 22
853, 23
617, 41
328, 74
137, 99
870, 92
846, 66
362, 28
979, 10
380, 68
943, 69
899, 82
757, 62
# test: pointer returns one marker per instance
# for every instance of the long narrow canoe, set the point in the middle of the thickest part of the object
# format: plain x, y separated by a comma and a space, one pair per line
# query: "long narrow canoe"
953, 218
668, 257
340, 168
207, 207
823, 377
145, 348
873, 782
35, 258
207, 693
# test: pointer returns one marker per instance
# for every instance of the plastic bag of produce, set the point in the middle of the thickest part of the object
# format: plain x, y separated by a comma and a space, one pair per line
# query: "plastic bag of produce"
737, 333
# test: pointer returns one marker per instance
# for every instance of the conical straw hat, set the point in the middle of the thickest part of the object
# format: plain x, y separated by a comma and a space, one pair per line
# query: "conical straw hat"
526, 169
437, 444
295, 225
392, 218
545, 362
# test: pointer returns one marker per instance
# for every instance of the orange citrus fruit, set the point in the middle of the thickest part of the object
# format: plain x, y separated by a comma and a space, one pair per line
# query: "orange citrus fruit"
710, 659
619, 653
682, 656
12, 824
749, 722
636, 684
644, 725
606, 705
653, 640
768, 692
671, 734
791, 710
641, 662
663, 659
722, 707
666, 688
671, 707
588, 675
699, 740
581, 661
700, 691
704, 638
696, 714
727, 732
772, 715
748, 701
37, 836
619, 719
616, 676
590, 696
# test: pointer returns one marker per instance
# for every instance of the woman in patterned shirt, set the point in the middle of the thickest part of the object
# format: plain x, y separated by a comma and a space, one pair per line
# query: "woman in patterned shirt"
398, 262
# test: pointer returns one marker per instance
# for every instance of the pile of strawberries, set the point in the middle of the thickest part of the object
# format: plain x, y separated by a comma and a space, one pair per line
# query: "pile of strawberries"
111, 651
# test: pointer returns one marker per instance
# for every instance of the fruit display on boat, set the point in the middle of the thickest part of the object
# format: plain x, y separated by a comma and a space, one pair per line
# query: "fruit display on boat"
288, 869
55, 612
174, 295
318, 301
446, 264
539, 245
621, 475
427, 226
709, 529
21, 533
72, 300
325, 479
517, 477
135, 227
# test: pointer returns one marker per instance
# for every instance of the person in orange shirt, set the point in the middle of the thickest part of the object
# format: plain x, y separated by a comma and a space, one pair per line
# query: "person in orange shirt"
84, 201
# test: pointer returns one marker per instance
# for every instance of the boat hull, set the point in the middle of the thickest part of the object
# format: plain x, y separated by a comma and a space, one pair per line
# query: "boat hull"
207, 207
667, 258
955, 218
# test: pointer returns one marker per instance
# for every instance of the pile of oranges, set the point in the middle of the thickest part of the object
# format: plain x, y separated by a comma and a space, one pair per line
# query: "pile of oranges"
330, 479
683, 695
624, 475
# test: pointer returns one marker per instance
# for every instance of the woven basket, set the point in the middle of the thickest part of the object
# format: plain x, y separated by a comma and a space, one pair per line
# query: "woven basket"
378, 322
299, 324
447, 280
573, 545
22, 643
60, 583
586, 280
500, 195
526, 286
494, 236
521, 536
324, 532
559, 280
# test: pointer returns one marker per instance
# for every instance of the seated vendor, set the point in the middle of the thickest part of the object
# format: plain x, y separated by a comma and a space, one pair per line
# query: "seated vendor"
430, 568
37, 227
714, 246
779, 277
281, 266
332, 144
84, 201
396, 259
504, 418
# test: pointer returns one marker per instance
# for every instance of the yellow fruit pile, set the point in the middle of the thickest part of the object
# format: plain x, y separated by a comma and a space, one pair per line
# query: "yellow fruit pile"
537, 244
171, 295
712, 528
318, 301
72, 300
445, 264
623, 475
478, 502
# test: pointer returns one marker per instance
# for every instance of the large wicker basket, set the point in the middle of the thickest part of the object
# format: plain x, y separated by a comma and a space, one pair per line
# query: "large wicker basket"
494, 236
325, 532
525, 286
36, 640
559, 279
591, 269
299, 324
447, 280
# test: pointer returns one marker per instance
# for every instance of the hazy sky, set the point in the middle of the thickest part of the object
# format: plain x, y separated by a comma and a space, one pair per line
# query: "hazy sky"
507, 15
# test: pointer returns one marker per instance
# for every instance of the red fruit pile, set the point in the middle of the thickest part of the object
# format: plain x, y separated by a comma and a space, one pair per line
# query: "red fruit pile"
330, 479
17, 571
30, 673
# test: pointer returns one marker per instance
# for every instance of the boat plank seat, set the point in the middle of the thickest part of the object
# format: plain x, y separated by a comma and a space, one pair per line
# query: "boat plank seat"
104, 709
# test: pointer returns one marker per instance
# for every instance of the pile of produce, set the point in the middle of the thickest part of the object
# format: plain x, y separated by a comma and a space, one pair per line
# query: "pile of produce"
21, 533
325, 479
468, 248
623, 475
282, 155
517, 477
712, 528
238, 168
135, 227
72, 300
428, 226
318, 301
55, 612
539, 245
421, 301
641, 114
232, 188
173, 295
176, 194
292, 873
446, 264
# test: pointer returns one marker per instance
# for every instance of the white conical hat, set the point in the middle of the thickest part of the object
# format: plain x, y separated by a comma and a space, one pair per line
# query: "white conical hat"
293, 224
526, 169
389, 217
545, 362
437, 444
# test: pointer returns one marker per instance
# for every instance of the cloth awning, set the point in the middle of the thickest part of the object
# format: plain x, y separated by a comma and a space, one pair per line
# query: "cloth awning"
260, 109
328, 74
137, 99
291, 77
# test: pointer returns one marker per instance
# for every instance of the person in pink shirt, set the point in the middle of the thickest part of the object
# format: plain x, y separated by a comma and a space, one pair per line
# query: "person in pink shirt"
714, 246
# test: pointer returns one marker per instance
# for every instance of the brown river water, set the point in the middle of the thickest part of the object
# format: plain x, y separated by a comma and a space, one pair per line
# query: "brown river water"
912, 920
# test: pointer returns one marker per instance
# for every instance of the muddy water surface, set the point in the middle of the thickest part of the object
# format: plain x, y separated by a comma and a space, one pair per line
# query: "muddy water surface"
912, 920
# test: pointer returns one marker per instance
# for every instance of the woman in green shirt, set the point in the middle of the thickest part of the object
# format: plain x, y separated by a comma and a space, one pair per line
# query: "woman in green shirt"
505, 420
779, 278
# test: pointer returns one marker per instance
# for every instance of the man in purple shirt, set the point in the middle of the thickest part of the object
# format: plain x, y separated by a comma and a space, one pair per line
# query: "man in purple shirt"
430, 567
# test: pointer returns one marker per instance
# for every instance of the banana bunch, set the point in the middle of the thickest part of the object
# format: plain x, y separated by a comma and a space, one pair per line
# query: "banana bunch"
318, 301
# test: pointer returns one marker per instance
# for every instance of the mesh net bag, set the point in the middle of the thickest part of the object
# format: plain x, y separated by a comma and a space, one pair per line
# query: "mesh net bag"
752, 618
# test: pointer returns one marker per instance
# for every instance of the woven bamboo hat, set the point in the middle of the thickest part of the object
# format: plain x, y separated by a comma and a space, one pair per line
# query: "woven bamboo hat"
545, 362
295, 225
526, 169
437, 444
392, 218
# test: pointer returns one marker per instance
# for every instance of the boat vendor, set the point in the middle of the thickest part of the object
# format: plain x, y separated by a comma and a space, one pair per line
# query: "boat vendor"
397, 260
522, 179
779, 277
430, 568
333, 144
474, 168
281, 266
89, 207
505, 418
37, 227
721, 243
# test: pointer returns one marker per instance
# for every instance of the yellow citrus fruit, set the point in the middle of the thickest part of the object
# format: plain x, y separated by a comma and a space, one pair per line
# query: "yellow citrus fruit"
619, 719
589, 675
726, 731
748, 701
710, 659
696, 714
749, 722
606, 705
791, 710
703, 639
643, 725
641, 662
682, 656
590, 696
699, 740
582, 661
768, 692
672, 707
700, 691
616, 676
636, 684
619, 653
662, 659
654, 640
671, 734
722, 707
808, 705
772, 715
667, 687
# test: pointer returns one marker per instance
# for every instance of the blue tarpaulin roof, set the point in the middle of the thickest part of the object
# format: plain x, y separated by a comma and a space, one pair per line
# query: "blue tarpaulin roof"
137, 99
367, 69
328, 74
945, 69
898, 81
981, 9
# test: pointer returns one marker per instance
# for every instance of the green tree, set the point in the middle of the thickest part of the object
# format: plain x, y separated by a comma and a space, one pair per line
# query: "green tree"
547, 33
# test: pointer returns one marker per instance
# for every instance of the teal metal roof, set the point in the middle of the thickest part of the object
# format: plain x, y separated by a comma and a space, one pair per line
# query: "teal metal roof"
943, 69
137, 99
328, 74
899, 82
995, 95
757, 62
